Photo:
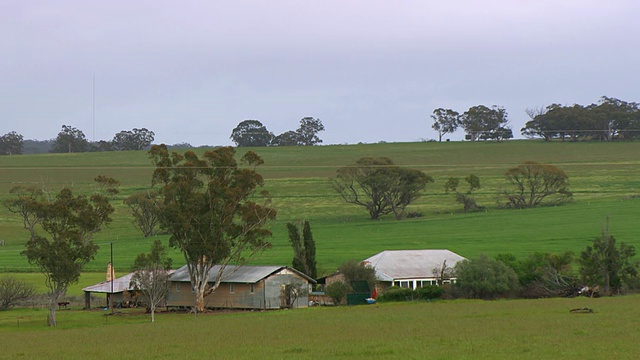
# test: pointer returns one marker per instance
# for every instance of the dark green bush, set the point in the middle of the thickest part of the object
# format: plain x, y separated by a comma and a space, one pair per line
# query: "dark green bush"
404, 294
429, 292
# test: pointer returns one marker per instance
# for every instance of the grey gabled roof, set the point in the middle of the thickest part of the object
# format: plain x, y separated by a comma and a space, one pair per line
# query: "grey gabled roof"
410, 264
237, 274
119, 285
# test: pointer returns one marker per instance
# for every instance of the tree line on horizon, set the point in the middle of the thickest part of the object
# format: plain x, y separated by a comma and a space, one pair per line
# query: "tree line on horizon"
609, 119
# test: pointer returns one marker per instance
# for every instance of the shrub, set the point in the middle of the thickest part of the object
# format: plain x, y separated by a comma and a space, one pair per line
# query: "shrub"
337, 291
485, 278
429, 292
13, 291
395, 293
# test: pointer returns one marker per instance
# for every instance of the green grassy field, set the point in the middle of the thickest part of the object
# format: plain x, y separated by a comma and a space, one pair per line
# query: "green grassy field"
603, 176
459, 329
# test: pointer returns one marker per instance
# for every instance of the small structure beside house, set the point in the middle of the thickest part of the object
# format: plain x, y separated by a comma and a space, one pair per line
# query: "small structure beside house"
412, 268
114, 290
245, 287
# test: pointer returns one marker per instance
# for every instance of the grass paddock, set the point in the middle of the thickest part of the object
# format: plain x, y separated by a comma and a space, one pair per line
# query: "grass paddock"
458, 329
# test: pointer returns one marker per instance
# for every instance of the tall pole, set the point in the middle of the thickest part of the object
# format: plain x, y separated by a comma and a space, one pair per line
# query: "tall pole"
94, 106
113, 275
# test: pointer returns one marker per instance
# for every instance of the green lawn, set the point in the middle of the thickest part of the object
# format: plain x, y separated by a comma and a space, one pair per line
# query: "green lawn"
460, 329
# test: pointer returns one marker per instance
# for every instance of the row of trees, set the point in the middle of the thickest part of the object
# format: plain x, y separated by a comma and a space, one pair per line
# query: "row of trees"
73, 140
606, 120
254, 133
382, 187
479, 123
605, 267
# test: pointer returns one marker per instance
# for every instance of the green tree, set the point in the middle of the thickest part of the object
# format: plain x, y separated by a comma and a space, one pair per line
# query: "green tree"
69, 223
11, 144
210, 210
136, 139
608, 264
145, 207
70, 140
357, 271
288, 138
251, 133
483, 123
464, 198
445, 121
380, 186
485, 278
308, 131
544, 274
534, 184
337, 291
151, 277
304, 249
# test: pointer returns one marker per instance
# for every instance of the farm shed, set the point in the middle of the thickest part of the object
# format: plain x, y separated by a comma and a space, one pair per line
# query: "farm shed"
113, 290
245, 287
411, 268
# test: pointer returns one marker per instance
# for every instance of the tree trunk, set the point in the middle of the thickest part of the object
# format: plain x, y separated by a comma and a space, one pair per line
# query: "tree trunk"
199, 300
53, 302
153, 312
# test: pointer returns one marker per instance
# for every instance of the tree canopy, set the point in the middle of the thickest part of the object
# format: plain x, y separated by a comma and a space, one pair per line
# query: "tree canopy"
445, 121
380, 186
464, 198
211, 211
609, 264
251, 133
11, 143
70, 140
484, 123
136, 139
304, 249
607, 120
61, 232
485, 278
533, 184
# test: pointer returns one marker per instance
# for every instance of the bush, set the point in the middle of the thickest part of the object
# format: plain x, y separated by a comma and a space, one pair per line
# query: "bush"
485, 278
395, 293
337, 291
13, 291
405, 294
429, 292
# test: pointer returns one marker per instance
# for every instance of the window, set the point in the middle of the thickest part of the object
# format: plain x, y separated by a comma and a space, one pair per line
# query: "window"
251, 288
232, 288
177, 287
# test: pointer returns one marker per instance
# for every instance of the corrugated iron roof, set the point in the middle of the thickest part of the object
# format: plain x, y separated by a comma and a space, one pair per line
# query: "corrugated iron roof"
410, 264
237, 274
119, 285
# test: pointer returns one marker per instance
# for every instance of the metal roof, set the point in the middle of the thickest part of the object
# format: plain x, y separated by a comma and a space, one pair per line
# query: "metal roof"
392, 265
237, 274
119, 285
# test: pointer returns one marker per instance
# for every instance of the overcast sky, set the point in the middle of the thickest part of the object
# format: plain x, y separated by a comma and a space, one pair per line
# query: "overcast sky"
369, 70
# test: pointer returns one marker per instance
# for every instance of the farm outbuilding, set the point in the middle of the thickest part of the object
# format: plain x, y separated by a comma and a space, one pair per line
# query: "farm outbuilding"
114, 290
412, 268
245, 287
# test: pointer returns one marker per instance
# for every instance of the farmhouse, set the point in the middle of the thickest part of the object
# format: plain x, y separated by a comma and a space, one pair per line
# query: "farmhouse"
412, 268
246, 287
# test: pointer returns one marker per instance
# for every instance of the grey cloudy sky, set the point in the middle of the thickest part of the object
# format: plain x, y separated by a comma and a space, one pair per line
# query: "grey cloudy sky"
370, 70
